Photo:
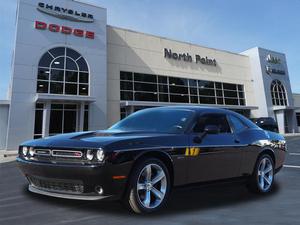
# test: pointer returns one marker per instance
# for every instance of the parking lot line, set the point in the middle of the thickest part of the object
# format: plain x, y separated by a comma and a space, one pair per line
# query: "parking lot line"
291, 166
294, 153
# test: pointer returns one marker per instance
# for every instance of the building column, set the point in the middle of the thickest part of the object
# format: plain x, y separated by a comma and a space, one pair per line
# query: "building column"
81, 116
46, 119
292, 121
280, 121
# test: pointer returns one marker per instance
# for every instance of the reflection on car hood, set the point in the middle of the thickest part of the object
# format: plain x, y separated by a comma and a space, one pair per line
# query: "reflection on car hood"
108, 139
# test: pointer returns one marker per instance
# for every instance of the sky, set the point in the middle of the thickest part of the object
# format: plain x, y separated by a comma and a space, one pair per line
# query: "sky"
232, 25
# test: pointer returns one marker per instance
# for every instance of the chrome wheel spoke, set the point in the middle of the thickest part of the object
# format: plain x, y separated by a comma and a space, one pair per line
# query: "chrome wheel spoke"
268, 180
147, 199
268, 169
259, 173
261, 182
263, 165
157, 193
148, 173
141, 186
158, 177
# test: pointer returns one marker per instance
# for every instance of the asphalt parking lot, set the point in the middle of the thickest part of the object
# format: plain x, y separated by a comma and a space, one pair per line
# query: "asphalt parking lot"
223, 204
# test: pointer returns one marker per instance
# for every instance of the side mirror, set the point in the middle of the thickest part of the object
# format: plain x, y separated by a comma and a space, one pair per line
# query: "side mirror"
209, 129
212, 129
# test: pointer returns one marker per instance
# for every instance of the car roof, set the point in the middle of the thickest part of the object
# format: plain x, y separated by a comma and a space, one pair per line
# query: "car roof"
206, 109
200, 109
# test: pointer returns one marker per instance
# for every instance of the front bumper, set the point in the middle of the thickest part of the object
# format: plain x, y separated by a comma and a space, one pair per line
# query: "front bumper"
72, 181
65, 195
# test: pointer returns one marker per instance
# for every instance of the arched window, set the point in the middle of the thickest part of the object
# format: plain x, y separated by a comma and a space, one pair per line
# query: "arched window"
63, 71
278, 93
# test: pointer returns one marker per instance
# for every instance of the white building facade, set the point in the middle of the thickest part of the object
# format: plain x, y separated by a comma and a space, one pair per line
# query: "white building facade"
73, 72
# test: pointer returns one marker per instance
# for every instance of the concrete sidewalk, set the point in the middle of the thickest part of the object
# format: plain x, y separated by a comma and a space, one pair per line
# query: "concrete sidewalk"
8, 156
291, 135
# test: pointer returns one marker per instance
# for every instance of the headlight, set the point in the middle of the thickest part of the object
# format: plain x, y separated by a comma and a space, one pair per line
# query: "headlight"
24, 150
100, 155
89, 154
31, 151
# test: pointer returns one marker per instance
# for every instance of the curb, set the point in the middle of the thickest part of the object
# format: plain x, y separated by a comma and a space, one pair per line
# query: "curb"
292, 135
8, 156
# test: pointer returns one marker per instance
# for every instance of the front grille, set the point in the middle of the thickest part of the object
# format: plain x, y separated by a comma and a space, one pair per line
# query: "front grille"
67, 153
59, 155
75, 187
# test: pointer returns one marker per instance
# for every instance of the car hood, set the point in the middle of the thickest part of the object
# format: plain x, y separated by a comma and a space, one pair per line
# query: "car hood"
274, 136
109, 140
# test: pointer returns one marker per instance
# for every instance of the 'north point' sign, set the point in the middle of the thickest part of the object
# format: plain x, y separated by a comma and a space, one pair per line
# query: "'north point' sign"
188, 58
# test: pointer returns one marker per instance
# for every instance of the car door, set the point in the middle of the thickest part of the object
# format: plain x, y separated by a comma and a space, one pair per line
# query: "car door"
216, 156
245, 138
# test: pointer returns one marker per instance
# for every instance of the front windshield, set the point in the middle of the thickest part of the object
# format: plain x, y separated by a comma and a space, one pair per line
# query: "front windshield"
162, 120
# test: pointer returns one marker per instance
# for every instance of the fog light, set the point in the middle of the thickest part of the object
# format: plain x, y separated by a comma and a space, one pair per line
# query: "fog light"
31, 151
99, 190
89, 154
24, 150
100, 155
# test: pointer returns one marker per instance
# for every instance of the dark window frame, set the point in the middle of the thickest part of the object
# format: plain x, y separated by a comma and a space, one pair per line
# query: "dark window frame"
212, 114
234, 126
50, 68
187, 89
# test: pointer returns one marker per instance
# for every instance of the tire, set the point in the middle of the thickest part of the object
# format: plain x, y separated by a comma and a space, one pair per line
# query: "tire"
262, 179
149, 186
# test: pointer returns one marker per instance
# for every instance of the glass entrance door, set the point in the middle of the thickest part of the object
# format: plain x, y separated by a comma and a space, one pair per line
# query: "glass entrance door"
63, 118
286, 123
60, 118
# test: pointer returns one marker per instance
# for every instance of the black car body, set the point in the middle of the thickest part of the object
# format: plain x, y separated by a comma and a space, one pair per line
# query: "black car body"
266, 123
186, 144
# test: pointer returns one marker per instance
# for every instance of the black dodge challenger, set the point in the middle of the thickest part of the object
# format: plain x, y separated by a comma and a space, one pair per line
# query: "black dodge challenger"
142, 157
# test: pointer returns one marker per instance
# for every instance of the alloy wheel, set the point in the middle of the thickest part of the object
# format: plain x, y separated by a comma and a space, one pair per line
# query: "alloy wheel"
265, 174
151, 186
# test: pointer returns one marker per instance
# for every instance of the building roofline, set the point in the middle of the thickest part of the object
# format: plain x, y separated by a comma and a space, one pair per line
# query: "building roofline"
4, 102
89, 4
171, 39
264, 49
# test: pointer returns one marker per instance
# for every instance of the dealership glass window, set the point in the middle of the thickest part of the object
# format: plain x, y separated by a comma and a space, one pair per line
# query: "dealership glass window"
157, 88
298, 119
86, 118
63, 118
278, 93
63, 71
122, 113
38, 124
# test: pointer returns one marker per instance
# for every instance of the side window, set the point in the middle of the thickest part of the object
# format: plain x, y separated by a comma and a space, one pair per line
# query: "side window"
237, 124
218, 120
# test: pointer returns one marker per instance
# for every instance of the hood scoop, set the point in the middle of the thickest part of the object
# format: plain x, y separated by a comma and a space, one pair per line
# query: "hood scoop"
84, 135
102, 134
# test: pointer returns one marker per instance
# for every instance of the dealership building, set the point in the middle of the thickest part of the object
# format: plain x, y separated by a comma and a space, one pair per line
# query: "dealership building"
73, 72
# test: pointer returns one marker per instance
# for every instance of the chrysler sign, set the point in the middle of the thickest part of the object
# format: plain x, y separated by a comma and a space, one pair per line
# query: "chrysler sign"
188, 58
65, 13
